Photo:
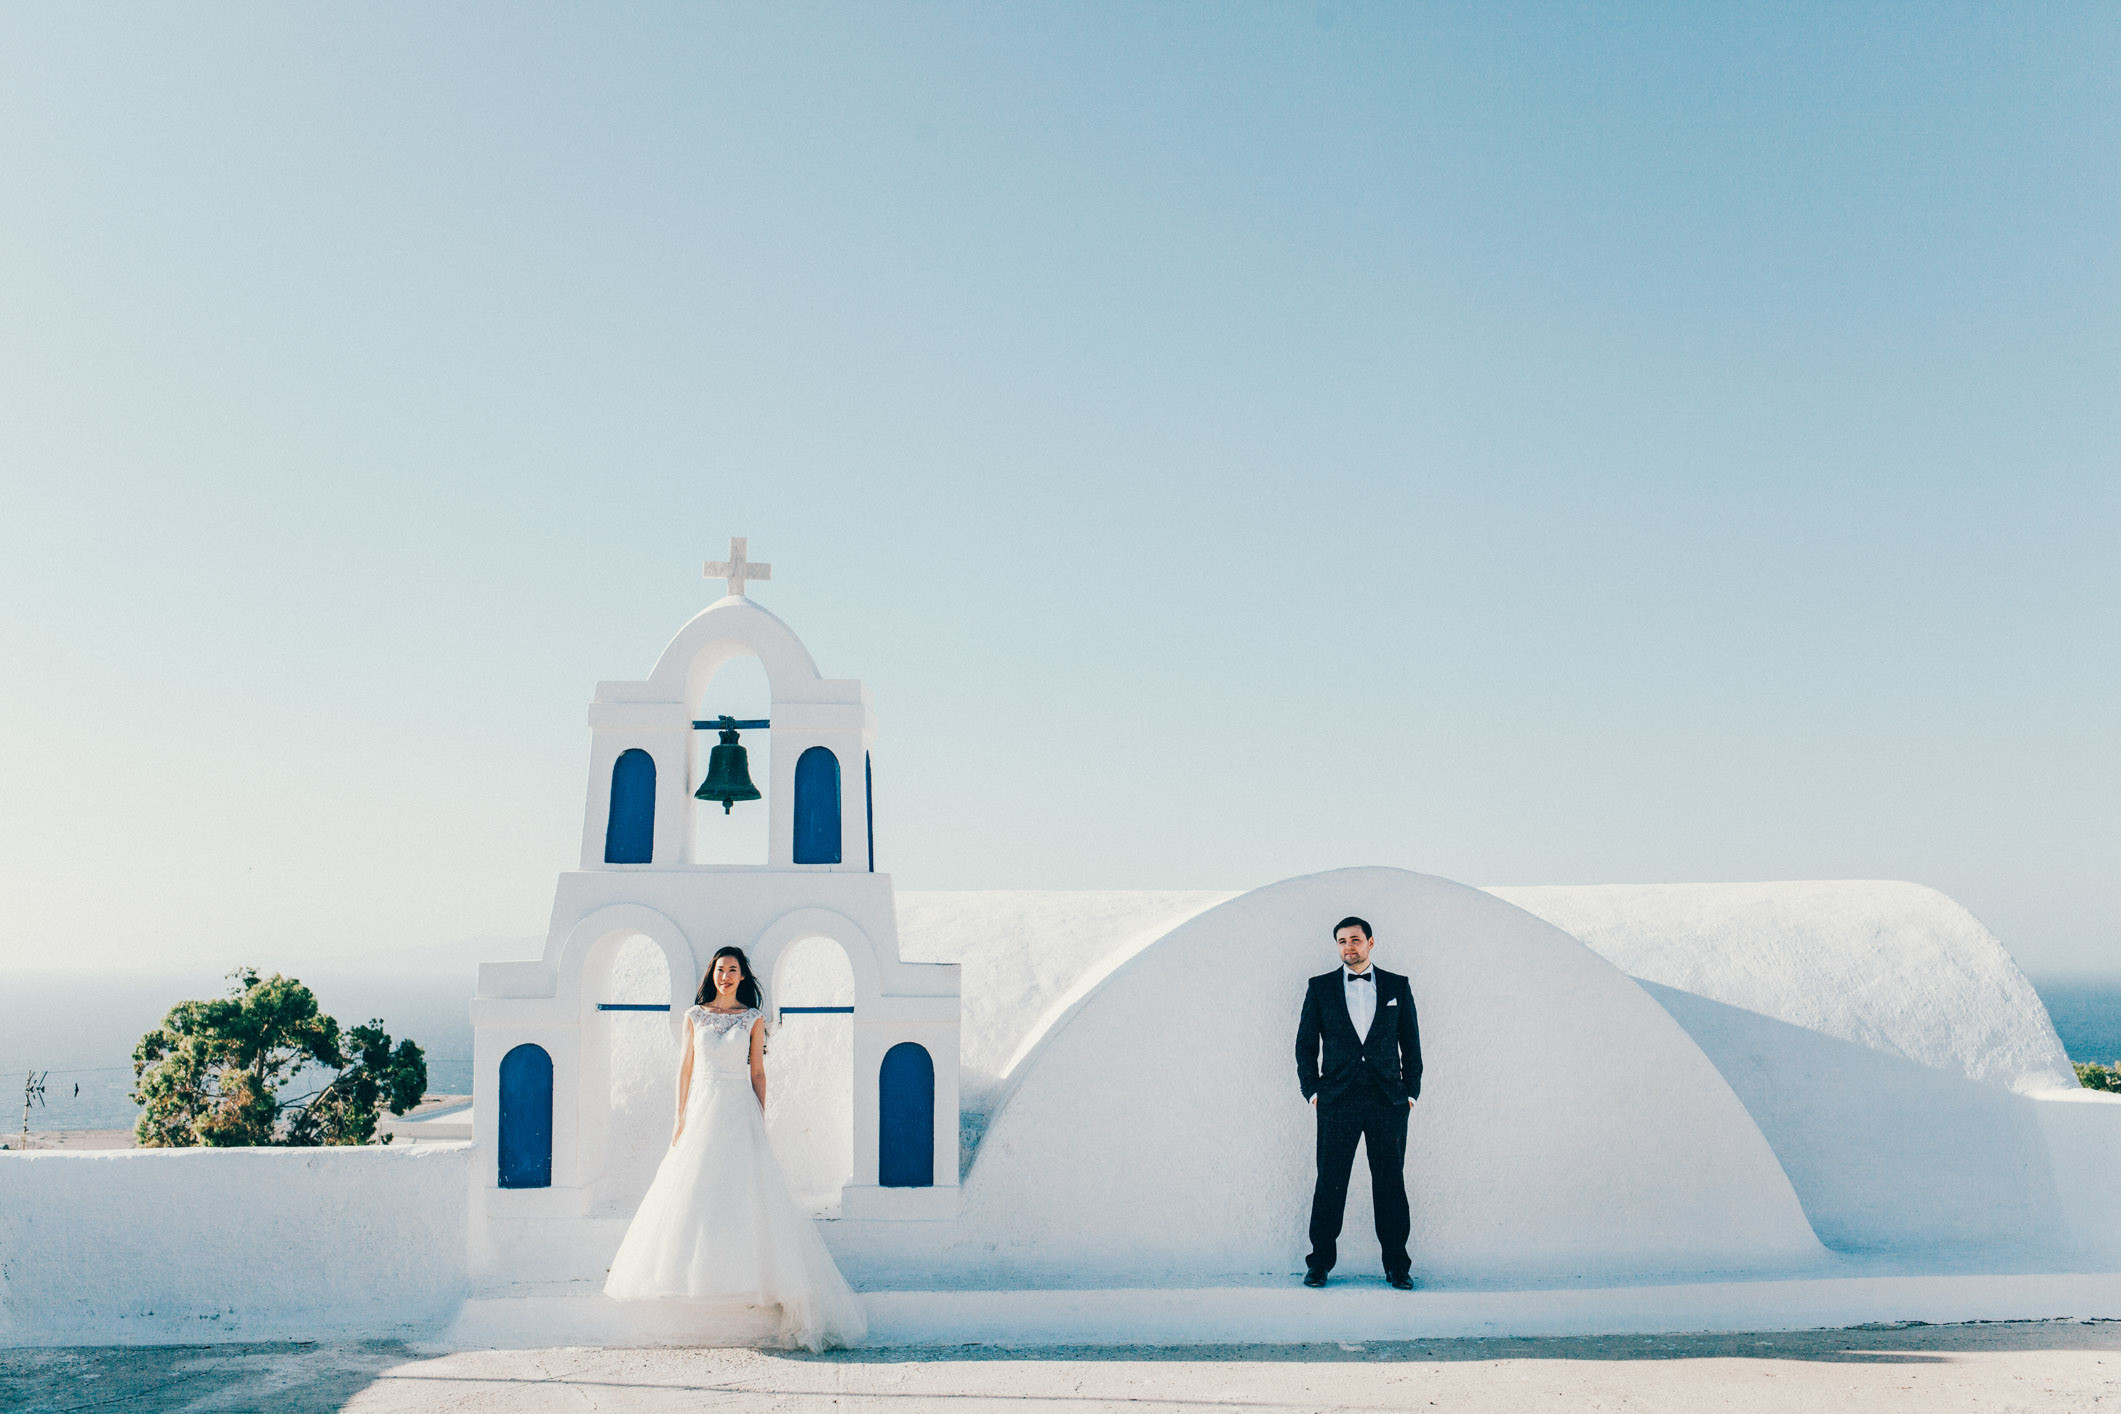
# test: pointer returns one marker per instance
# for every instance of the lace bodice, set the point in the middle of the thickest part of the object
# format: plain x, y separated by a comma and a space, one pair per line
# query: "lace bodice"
721, 1023
722, 1039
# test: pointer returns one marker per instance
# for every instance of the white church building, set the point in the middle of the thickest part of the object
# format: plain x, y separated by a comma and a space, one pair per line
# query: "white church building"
1073, 1116
577, 1048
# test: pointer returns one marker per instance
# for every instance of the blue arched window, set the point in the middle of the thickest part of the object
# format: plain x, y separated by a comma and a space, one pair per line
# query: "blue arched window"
817, 807
905, 1156
629, 831
526, 1118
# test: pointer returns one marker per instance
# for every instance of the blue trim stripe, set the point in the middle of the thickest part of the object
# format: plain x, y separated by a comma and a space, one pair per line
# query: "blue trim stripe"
633, 1006
815, 1010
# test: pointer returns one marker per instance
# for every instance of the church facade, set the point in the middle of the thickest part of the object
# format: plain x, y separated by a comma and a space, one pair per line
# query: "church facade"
549, 1185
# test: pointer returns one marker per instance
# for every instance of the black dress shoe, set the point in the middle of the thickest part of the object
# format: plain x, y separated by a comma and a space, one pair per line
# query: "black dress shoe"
1314, 1278
1402, 1282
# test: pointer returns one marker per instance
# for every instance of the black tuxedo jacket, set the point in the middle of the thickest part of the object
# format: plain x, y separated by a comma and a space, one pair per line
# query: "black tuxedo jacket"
1391, 1054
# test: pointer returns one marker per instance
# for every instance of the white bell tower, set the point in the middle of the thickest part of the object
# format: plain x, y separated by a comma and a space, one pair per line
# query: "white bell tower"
550, 1187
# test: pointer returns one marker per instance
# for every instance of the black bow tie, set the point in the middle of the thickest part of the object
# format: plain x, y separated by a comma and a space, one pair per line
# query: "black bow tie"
1360, 977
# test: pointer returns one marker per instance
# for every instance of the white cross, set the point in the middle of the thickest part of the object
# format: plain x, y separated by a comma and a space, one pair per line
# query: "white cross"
736, 569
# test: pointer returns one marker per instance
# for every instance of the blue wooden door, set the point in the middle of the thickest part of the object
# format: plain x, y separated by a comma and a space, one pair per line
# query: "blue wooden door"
629, 831
526, 1118
817, 807
905, 1155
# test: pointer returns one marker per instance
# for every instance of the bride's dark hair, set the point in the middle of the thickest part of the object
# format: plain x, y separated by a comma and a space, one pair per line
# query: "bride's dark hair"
747, 991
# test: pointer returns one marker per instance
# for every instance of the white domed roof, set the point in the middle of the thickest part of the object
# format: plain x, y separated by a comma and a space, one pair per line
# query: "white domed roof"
1897, 967
1568, 1126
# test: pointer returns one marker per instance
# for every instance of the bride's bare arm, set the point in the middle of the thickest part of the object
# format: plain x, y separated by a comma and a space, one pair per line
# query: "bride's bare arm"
684, 1083
758, 1060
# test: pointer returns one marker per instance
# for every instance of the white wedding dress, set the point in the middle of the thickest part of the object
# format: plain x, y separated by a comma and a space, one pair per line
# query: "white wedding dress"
717, 1227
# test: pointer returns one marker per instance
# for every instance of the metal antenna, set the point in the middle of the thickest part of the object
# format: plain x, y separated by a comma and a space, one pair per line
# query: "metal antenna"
32, 1091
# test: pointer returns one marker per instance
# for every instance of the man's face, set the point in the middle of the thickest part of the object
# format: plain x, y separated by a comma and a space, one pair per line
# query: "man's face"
1354, 947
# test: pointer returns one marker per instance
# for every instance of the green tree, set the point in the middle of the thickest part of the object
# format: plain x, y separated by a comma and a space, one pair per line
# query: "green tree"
2093, 1076
216, 1072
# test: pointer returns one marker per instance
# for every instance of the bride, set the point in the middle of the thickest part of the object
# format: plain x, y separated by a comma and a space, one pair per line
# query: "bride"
717, 1226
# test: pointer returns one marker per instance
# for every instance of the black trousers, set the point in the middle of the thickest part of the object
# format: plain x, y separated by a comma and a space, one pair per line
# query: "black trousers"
1363, 1113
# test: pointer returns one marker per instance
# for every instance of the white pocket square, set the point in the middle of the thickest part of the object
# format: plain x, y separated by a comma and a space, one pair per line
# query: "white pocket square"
1393, 1002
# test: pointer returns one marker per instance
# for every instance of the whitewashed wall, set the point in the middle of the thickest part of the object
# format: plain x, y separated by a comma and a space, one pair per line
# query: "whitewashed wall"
810, 1074
641, 1054
1568, 1127
155, 1246
1893, 966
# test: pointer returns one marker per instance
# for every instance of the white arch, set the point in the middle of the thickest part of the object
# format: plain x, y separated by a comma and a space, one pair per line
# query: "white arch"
622, 919
727, 629
801, 923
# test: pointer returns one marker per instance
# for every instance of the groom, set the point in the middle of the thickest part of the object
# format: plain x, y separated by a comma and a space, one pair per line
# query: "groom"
1363, 1019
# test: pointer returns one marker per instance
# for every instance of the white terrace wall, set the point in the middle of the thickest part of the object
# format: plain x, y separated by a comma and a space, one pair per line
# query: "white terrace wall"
184, 1246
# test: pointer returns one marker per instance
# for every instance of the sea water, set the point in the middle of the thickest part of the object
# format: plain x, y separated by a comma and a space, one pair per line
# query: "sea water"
2087, 1016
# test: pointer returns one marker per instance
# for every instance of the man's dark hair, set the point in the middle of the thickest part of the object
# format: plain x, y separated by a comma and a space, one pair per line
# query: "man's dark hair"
1351, 921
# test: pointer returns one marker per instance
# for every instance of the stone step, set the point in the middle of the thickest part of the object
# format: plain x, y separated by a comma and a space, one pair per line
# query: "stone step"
1352, 1309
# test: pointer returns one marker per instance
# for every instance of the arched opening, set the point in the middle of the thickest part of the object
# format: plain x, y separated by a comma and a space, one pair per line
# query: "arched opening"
526, 1118
810, 1072
817, 807
905, 1112
629, 829
739, 689
632, 994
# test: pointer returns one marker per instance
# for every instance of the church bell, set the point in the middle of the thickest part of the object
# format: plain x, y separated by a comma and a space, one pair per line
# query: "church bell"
728, 774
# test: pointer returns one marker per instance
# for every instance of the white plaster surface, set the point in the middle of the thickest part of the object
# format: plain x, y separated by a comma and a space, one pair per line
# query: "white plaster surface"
1133, 1054
810, 1074
1874, 1031
641, 1062
1887, 1154
2083, 1133
145, 1246
1894, 966
614, 1075
1028, 955
1568, 1125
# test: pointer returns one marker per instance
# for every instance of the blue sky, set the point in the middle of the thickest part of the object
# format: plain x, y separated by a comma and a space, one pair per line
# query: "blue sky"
1530, 444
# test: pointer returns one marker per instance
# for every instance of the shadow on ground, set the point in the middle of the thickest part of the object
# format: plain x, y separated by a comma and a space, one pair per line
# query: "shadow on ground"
318, 1378
298, 1378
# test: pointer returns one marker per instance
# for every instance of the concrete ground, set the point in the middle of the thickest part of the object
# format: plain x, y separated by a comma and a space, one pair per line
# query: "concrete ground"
2033, 1365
